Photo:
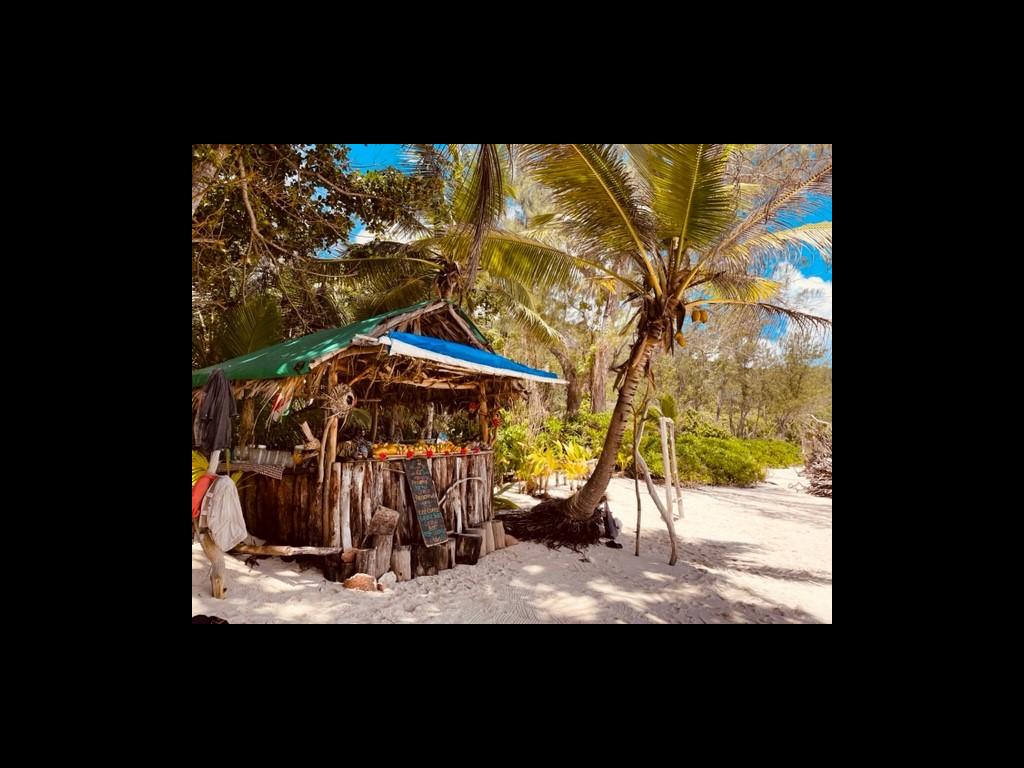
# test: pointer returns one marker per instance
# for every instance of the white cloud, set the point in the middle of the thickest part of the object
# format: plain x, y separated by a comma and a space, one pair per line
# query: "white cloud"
807, 294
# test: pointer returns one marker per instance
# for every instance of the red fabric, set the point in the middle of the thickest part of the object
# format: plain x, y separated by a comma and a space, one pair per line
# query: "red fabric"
199, 491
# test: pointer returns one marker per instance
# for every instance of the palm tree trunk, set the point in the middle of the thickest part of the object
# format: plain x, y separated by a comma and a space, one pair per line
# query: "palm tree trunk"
583, 503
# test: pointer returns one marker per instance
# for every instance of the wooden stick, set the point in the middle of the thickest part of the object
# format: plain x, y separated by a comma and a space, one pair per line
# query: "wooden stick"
675, 472
665, 514
216, 557
283, 551
666, 462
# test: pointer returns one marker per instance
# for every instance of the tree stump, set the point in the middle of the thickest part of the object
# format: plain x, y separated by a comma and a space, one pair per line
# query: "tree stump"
427, 561
366, 561
467, 548
381, 534
401, 562
483, 532
498, 531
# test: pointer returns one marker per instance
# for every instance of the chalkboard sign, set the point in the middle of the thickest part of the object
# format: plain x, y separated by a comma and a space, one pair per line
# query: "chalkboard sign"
424, 498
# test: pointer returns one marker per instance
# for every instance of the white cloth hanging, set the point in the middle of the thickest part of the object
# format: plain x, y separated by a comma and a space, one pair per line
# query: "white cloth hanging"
223, 512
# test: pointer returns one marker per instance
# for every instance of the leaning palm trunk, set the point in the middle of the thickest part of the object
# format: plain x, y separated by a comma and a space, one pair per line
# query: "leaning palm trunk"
572, 522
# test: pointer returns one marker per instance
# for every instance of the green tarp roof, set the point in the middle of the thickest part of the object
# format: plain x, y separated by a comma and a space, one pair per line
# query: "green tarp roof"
292, 357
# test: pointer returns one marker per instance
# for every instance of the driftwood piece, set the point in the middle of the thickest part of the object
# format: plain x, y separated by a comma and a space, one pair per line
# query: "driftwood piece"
346, 505
467, 548
401, 562
498, 532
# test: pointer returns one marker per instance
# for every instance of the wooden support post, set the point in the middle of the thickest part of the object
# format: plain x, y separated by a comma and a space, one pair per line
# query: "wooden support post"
401, 562
330, 454
346, 503
216, 557
247, 421
675, 473
334, 504
485, 424
666, 461
666, 514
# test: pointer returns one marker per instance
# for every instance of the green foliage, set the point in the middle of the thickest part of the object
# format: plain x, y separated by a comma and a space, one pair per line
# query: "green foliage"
510, 448
696, 423
774, 453
720, 461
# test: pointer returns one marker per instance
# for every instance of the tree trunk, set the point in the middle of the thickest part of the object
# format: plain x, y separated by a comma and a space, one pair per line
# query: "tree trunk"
573, 395
599, 376
204, 174
582, 504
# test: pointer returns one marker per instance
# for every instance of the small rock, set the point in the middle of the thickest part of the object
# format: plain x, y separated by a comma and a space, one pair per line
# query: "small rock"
510, 540
363, 581
388, 579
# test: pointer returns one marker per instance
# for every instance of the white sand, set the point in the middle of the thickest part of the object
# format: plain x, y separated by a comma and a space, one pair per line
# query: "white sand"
759, 555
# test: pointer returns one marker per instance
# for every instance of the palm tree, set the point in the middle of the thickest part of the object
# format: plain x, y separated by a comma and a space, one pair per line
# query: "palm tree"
694, 236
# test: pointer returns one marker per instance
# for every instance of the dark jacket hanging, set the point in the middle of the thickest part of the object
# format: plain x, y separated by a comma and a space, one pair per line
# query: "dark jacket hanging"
215, 413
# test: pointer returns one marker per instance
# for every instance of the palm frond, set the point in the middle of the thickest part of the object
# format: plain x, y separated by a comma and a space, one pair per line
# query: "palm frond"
599, 200
518, 303
528, 261
739, 286
252, 325
775, 316
480, 201
796, 197
689, 192
785, 244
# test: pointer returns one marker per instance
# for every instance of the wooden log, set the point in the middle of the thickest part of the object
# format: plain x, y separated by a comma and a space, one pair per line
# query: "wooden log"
467, 548
216, 557
451, 549
346, 505
498, 531
427, 561
283, 551
401, 562
334, 504
366, 561
486, 538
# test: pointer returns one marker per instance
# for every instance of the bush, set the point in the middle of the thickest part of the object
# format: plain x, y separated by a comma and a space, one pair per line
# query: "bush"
774, 453
707, 460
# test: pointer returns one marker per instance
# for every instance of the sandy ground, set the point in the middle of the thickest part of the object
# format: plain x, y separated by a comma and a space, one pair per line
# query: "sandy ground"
748, 555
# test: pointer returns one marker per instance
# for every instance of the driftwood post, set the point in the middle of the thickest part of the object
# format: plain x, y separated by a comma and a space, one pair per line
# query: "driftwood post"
675, 472
214, 553
334, 501
485, 425
498, 532
666, 514
666, 461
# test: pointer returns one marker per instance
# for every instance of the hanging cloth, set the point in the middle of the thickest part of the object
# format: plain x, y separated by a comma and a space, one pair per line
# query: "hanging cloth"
215, 413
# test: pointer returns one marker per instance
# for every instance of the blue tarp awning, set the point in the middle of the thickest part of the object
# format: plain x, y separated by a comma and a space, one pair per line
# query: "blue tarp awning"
461, 356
